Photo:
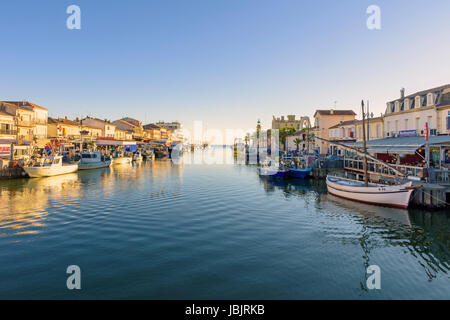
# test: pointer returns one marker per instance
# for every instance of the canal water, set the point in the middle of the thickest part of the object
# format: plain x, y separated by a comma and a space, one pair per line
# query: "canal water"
211, 229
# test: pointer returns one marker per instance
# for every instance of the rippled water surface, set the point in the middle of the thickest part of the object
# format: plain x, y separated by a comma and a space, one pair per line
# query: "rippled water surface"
211, 231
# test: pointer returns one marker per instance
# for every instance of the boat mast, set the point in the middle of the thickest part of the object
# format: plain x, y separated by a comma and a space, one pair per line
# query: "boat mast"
366, 181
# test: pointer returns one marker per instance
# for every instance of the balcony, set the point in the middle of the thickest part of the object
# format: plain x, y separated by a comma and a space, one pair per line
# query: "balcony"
8, 132
40, 122
25, 123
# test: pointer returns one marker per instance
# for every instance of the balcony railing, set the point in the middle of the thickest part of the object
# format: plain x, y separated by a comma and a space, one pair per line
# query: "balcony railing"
25, 123
8, 132
377, 169
40, 121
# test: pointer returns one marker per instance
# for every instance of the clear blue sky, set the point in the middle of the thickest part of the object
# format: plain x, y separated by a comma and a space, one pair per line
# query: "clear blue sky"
225, 62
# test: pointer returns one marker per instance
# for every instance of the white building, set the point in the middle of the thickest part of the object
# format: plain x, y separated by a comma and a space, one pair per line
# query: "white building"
408, 115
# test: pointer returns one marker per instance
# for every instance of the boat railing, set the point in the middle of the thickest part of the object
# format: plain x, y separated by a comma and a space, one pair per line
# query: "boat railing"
375, 168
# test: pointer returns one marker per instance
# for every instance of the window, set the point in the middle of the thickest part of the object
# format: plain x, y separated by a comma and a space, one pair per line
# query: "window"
402, 105
396, 125
429, 120
412, 104
406, 124
392, 107
417, 123
424, 101
448, 123
378, 131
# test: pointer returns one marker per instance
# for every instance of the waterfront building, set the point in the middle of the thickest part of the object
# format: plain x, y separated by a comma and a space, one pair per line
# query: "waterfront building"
107, 128
174, 130
290, 121
152, 132
131, 125
63, 128
407, 115
24, 120
31, 120
374, 129
8, 131
324, 120
121, 134
343, 132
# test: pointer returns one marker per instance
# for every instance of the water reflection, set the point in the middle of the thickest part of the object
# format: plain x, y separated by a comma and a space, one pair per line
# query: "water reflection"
424, 234
24, 203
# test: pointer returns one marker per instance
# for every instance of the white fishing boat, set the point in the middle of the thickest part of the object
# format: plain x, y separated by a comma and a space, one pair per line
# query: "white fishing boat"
93, 160
50, 166
396, 196
120, 158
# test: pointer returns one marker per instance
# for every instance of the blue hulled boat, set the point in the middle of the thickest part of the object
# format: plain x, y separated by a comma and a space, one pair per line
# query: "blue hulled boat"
299, 173
273, 173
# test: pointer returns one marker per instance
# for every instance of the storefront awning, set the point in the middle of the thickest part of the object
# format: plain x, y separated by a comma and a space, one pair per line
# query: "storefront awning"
392, 150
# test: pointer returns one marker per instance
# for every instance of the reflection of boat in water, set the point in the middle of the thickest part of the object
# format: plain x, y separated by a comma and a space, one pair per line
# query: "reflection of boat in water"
53, 183
51, 166
397, 196
93, 160
368, 210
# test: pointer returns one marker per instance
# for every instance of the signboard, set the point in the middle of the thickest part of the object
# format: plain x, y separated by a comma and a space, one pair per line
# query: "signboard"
407, 133
5, 151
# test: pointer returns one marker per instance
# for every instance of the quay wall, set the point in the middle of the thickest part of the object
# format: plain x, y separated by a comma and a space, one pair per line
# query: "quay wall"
12, 173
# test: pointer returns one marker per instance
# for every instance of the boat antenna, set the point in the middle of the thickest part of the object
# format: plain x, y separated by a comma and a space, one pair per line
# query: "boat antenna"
366, 181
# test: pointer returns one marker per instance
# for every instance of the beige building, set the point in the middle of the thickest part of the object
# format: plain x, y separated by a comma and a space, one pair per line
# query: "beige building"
324, 120
63, 128
23, 118
8, 131
107, 128
130, 125
290, 121
374, 129
408, 114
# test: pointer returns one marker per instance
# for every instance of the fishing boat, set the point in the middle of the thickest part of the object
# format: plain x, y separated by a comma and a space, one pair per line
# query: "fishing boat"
93, 160
161, 152
148, 155
50, 166
120, 158
299, 173
137, 157
276, 172
396, 196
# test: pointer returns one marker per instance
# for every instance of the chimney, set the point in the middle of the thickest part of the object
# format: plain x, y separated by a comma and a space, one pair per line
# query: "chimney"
402, 93
332, 111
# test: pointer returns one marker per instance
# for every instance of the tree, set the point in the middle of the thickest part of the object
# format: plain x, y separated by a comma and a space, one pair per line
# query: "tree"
285, 132
297, 142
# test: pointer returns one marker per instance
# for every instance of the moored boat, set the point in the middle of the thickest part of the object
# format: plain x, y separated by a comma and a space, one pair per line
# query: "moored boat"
397, 196
299, 173
51, 166
93, 160
269, 171
137, 157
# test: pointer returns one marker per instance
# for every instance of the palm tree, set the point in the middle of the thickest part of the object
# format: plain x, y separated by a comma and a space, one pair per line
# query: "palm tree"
297, 142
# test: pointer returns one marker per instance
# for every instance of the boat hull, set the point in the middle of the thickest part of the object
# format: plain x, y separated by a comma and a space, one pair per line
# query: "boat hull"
94, 165
122, 160
299, 173
38, 172
273, 173
390, 196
